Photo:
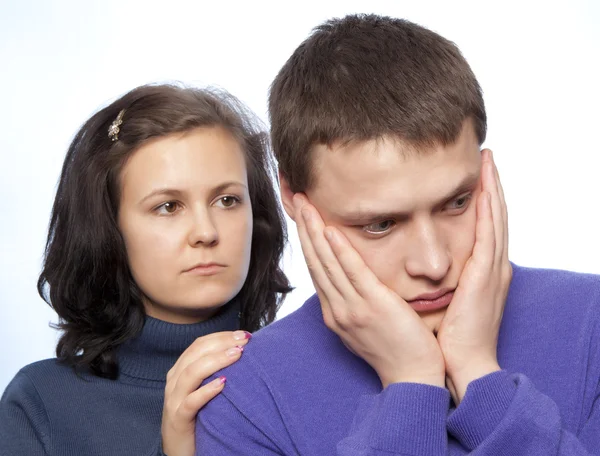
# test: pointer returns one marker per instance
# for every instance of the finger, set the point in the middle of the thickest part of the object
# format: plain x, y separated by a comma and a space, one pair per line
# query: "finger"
194, 374
310, 257
354, 267
335, 273
498, 183
317, 272
483, 250
504, 210
491, 186
214, 343
362, 278
196, 400
205, 345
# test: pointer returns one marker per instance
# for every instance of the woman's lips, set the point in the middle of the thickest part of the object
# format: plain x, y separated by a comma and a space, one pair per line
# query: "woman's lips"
206, 269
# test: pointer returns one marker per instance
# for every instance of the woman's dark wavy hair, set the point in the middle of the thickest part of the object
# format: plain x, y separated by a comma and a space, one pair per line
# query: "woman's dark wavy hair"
86, 277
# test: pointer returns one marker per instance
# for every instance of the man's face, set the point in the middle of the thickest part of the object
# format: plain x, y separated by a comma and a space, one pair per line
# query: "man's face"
410, 214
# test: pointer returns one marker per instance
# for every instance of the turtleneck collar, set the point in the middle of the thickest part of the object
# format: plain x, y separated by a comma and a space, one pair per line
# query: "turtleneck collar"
150, 355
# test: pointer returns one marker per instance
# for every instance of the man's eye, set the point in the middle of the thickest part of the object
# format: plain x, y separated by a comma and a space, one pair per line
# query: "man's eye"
169, 207
460, 203
379, 227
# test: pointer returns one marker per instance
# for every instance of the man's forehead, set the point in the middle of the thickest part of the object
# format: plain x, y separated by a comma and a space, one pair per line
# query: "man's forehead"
398, 196
352, 149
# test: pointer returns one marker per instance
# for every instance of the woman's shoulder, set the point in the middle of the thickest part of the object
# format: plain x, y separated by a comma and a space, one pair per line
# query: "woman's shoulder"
43, 367
45, 370
48, 401
43, 381
35, 378
23, 408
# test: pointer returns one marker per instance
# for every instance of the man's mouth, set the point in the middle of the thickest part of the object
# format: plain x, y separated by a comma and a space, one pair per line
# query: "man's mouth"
432, 301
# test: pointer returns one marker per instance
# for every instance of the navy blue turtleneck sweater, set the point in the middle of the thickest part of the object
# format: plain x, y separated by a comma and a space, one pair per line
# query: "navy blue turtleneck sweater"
48, 409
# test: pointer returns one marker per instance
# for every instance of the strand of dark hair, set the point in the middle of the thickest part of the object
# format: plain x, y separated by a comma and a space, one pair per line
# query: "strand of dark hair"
86, 277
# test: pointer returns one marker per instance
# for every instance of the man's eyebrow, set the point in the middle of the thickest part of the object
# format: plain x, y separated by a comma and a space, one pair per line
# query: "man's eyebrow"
367, 216
177, 193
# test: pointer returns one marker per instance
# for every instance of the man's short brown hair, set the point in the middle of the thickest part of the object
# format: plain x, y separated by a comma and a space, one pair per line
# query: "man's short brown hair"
365, 76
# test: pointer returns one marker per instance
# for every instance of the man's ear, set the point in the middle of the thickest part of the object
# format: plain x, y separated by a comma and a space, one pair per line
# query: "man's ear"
287, 196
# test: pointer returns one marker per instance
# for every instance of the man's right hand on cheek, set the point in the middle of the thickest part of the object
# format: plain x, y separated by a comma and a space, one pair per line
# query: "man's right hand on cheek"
372, 320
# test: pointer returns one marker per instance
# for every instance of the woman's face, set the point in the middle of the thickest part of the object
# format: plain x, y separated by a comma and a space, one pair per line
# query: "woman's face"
186, 218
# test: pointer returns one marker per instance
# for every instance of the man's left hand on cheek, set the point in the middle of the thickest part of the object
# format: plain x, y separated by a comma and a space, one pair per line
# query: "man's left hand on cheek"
468, 334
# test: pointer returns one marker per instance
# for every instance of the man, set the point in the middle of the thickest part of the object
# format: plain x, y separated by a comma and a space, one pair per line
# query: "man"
424, 339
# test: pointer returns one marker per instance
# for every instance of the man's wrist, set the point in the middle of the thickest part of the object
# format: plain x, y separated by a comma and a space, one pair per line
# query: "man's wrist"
437, 379
462, 377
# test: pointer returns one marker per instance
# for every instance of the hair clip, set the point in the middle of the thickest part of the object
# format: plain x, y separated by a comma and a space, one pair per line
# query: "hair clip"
113, 130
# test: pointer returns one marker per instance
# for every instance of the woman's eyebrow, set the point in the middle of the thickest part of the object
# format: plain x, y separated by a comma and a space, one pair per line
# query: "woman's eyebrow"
219, 188
171, 192
177, 193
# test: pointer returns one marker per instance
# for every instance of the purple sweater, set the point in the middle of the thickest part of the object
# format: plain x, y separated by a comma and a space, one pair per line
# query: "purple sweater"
298, 391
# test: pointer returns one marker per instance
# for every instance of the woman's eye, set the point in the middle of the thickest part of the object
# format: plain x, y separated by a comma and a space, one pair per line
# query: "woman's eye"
169, 207
228, 201
379, 227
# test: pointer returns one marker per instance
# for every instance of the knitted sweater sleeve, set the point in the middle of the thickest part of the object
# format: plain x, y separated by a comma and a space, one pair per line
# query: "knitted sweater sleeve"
503, 413
24, 425
404, 419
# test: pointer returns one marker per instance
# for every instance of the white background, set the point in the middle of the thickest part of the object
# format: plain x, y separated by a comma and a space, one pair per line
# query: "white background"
537, 61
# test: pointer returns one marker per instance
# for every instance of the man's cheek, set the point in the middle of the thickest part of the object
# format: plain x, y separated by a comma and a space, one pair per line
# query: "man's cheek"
464, 242
384, 260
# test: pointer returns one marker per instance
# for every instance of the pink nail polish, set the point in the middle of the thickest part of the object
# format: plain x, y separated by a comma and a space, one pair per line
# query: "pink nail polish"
234, 351
240, 348
242, 335
222, 379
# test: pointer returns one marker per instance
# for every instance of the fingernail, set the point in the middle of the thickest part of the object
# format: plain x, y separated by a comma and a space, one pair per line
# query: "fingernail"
235, 351
218, 382
241, 335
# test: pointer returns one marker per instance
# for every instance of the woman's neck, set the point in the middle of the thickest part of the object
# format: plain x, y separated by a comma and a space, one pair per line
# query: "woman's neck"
151, 354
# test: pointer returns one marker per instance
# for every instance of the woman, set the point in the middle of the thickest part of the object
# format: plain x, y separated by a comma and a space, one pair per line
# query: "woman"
165, 239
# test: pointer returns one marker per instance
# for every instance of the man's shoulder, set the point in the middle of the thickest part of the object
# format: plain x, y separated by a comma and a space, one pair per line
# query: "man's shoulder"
285, 345
550, 330
555, 282
553, 295
303, 324
282, 365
